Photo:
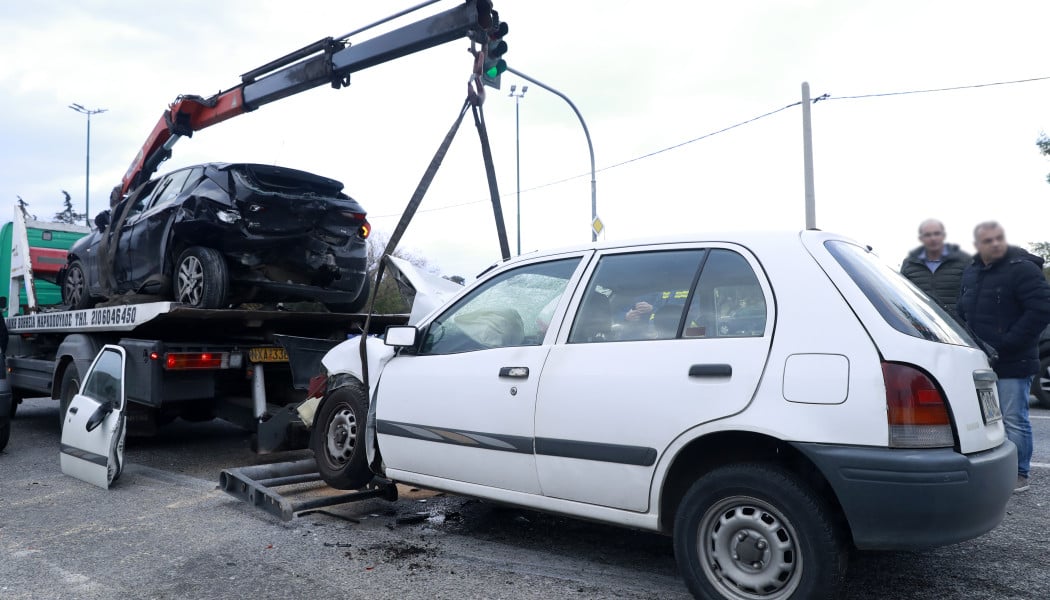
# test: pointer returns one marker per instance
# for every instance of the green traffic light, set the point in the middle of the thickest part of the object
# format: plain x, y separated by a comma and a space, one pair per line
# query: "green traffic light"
496, 69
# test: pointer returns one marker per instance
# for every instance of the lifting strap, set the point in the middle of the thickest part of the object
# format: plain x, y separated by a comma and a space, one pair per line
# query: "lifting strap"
475, 100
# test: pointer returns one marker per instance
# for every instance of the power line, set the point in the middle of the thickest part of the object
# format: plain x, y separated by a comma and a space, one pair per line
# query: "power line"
740, 124
934, 90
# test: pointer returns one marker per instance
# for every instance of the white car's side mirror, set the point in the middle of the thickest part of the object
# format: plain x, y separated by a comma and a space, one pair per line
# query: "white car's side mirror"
401, 336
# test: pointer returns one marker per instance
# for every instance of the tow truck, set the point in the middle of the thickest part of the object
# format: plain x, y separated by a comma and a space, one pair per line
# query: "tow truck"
229, 363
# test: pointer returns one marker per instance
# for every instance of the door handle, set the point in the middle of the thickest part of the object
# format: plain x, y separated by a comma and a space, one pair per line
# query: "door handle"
711, 370
73, 409
519, 372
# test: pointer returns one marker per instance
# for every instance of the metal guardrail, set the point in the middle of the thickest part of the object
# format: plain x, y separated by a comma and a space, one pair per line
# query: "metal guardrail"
256, 486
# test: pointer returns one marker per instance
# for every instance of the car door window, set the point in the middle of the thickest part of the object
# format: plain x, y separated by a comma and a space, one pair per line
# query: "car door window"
103, 383
636, 296
170, 189
511, 309
728, 301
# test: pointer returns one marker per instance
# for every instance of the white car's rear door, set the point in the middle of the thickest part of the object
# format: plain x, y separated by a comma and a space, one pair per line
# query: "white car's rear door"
611, 401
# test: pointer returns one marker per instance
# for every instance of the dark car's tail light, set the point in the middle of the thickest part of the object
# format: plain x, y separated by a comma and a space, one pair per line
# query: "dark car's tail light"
365, 228
916, 410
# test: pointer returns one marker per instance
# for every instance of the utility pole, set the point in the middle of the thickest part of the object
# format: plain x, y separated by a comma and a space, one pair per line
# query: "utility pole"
87, 167
807, 158
590, 147
517, 143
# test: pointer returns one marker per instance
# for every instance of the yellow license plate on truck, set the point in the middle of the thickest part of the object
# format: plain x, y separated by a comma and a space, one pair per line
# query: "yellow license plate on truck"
263, 355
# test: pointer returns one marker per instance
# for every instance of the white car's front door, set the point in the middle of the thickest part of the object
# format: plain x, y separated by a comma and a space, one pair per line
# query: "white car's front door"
462, 407
94, 426
661, 341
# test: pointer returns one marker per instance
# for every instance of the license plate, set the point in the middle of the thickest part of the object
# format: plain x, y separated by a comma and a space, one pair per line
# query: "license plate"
264, 354
989, 406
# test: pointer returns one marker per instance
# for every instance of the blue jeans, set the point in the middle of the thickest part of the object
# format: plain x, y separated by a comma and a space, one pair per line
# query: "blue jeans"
1013, 400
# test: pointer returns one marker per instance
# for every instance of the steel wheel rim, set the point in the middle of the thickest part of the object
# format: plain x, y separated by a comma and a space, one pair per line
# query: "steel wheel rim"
1044, 382
191, 281
749, 550
75, 286
342, 434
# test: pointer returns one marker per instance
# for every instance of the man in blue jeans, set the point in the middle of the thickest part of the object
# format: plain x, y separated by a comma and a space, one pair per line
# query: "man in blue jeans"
1005, 300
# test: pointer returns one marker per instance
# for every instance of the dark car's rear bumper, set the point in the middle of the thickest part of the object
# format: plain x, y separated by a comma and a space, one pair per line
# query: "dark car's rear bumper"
896, 499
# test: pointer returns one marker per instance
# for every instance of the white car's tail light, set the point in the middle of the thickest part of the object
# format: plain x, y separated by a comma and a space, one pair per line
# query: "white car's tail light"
915, 409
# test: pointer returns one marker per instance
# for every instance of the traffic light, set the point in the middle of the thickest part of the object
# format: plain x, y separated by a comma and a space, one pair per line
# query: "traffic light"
495, 47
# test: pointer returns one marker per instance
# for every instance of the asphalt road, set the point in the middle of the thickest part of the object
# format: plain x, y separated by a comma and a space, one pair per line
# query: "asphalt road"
166, 531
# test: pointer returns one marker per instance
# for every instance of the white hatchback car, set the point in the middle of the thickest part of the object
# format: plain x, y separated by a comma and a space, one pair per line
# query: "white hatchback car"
766, 398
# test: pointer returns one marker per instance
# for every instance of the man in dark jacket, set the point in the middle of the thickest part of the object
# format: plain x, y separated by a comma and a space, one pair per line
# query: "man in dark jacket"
936, 267
1005, 300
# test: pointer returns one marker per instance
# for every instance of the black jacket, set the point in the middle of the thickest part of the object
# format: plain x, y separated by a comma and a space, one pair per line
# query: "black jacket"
1007, 304
943, 284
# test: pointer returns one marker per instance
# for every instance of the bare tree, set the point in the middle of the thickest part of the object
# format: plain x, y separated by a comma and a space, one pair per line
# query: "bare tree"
68, 215
22, 204
1044, 148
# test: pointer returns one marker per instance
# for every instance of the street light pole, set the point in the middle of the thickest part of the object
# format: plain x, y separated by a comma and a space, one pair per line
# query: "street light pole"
517, 152
590, 147
87, 167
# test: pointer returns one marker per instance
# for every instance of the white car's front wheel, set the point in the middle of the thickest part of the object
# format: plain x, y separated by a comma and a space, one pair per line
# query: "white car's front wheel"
338, 438
756, 531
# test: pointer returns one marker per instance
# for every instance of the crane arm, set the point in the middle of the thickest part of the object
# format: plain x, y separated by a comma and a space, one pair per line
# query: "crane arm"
326, 61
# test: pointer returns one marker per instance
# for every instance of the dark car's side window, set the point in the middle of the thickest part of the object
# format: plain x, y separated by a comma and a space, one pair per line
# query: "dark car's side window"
511, 309
170, 188
636, 296
728, 301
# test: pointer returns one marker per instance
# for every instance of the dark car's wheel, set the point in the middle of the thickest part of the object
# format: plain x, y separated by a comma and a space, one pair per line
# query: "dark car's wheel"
359, 302
69, 387
5, 431
757, 531
201, 279
338, 435
1041, 383
74, 287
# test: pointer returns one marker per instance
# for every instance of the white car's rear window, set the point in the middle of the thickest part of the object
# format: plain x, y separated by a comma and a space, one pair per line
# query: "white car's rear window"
899, 302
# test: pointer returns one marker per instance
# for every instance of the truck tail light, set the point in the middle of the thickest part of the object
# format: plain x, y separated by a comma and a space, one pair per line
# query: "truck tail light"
916, 410
176, 361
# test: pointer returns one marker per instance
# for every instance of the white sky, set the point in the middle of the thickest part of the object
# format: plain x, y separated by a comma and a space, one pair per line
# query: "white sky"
645, 76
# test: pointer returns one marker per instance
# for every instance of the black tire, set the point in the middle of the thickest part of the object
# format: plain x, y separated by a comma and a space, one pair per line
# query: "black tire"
1041, 382
5, 431
16, 399
69, 387
201, 278
338, 438
358, 303
765, 534
74, 287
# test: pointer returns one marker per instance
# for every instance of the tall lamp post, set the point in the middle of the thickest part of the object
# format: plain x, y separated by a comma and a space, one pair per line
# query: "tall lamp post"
517, 142
87, 167
586, 133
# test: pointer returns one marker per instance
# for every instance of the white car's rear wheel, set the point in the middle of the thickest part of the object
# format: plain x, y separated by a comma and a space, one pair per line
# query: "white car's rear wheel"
755, 531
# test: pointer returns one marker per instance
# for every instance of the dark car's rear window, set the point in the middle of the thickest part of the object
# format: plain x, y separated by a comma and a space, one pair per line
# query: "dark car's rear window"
899, 302
283, 179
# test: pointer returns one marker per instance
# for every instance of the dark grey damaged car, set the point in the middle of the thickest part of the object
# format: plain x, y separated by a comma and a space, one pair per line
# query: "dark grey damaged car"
214, 235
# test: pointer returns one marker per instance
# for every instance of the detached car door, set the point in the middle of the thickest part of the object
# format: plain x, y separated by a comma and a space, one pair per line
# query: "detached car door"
462, 405
94, 427
662, 340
